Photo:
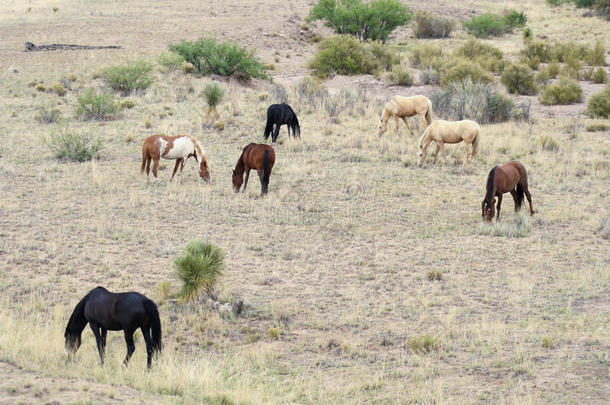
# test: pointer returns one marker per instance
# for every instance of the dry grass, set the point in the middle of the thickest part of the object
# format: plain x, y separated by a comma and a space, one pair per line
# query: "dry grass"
332, 264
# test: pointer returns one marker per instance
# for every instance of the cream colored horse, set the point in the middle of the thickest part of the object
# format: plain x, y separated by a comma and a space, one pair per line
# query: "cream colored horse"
443, 132
403, 107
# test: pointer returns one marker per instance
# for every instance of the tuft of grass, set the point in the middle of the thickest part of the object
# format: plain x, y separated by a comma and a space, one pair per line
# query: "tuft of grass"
96, 106
599, 76
596, 56
516, 227
213, 93
435, 275
401, 75
604, 228
275, 333
47, 115
566, 91
198, 269
129, 104
547, 143
598, 127
128, 78
78, 147
164, 291
59, 89
547, 343
41, 87
430, 76
423, 344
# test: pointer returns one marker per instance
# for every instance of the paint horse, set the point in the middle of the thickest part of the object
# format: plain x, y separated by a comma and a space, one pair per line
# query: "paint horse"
404, 107
278, 115
256, 156
511, 178
443, 132
178, 148
106, 311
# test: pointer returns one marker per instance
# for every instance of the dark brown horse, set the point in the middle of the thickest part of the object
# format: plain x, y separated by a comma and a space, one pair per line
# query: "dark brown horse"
510, 177
254, 156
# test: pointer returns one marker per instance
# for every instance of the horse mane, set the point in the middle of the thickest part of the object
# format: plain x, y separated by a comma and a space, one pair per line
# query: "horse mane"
198, 147
421, 140
490, 185
77, 320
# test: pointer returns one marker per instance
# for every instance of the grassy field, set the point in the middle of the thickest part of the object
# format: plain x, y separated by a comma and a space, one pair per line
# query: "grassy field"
365, 279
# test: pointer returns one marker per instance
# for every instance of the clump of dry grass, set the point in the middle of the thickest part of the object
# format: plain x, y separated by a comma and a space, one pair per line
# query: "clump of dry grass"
517, 226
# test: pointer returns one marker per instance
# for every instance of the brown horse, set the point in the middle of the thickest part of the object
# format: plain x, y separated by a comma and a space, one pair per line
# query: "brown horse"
254, 156
404, 107
178, 148
510, 177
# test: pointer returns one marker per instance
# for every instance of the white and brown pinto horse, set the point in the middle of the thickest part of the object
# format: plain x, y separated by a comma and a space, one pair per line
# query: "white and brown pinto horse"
178, 148
404, 107
443, 132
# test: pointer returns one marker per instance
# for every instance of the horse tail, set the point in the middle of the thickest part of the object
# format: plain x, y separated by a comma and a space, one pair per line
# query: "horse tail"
489, 196
475, 144
266, 170
429, 113
269, 126
155, 324
144, 155
296, 128
519, 195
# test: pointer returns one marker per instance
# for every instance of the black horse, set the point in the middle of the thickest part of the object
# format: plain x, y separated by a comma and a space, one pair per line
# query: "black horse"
105, 311
280, 114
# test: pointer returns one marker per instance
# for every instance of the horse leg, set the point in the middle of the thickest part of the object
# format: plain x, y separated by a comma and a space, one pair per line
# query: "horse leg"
516, 199
260, 176
396, 120
131, 347
98, 339
175, 169
498, 207
246, 181
404, 119
529, 198
438, 149
155, 167
276, 132
149, 352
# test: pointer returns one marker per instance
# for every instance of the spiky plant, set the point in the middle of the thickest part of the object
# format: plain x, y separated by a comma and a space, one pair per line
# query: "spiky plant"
213, 94
198, 269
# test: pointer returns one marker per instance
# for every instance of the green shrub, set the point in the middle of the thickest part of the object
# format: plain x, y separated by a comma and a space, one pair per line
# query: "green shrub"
597, 55
598, 127
476, 101
47, 115
213, 94
224, 58
519, 79
374, 20
427, 25
599, 104
78, 147
401, 75
430, 76
427, 56
128, 78
527, 33
566, 91
583, 3
485, 25
487, 56
599, 75
340, 54
198, 269
537, 50
466, 70
564, 51
59, 89
96, 106
513, 19
170, 60
602, 7
548, 72
382, 57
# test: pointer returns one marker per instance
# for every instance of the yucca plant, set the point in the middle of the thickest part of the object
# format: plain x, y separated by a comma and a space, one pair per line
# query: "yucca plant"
213, 94
198, 268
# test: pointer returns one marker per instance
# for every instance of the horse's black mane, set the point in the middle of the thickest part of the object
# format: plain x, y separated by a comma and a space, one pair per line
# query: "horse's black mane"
490, 185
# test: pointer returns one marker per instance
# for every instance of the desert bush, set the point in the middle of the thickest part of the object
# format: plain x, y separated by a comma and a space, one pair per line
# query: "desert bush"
198, 269
213, 94
489, 24
310, 91
374, 20
596, 56
564, 51
583, 3
430, 76
427, 25
427, 56
128, 78
537, 51
599, 104
548, 72
70, 145
566, 91
599, 75
59, 89
47, 115
170, 60
476, 101
96, 106
279, 94
380, 56
465, 70
602, 8
519, 79
401, 75
513, 19
224, 58
487, 56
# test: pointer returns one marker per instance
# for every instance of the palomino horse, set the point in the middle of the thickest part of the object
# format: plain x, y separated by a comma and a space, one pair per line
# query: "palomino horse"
254, 156
443, 132
106, 311
403, 107
178, 148
510, 177
278, 115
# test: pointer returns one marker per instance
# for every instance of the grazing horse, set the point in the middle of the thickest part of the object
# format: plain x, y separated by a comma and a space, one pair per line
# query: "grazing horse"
443, 132
280, 114
510, 177
403, 107
178, 148
106, 311
254, 156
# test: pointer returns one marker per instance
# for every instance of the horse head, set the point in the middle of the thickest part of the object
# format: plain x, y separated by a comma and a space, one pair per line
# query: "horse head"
238, 179
204, 170
487, 211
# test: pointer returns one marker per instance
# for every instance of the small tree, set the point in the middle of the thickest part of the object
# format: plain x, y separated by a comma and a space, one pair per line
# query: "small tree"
374, 20
198, 268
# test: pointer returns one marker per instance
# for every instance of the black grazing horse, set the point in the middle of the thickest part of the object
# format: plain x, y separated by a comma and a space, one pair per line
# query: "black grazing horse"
280, 114
105, 311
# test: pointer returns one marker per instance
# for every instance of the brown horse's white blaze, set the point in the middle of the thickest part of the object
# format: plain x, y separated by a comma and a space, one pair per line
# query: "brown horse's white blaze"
443, 132
178, 148
404, 107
